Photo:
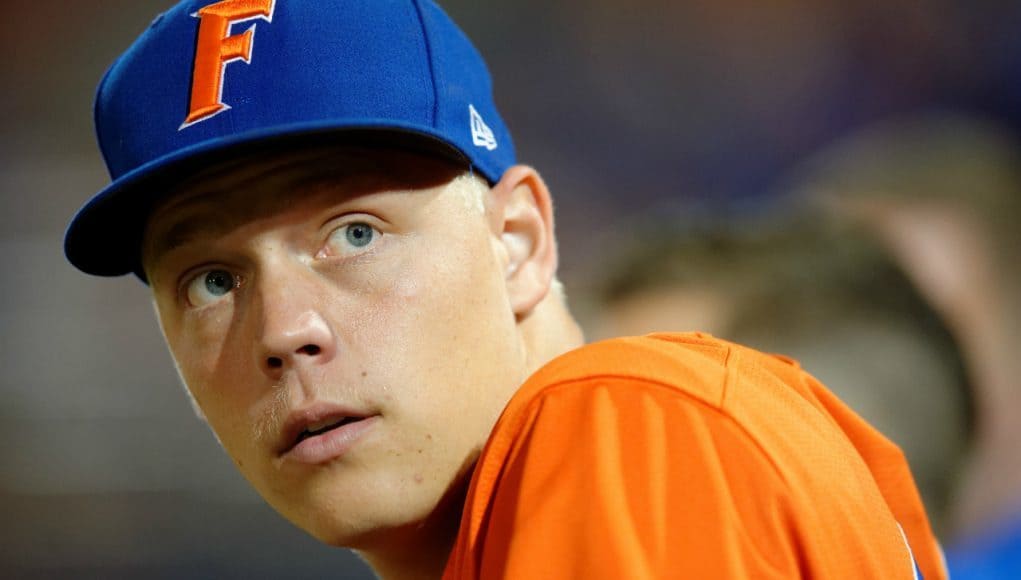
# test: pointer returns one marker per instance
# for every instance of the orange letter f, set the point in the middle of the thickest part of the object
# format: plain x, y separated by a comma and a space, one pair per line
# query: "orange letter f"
215, 49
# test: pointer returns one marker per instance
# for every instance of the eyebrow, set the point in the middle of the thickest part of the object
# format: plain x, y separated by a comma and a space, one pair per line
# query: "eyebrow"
185, 231
346, 169
206, 221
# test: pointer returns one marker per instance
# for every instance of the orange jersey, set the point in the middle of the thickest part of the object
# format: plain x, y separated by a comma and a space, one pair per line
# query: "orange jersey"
684, 456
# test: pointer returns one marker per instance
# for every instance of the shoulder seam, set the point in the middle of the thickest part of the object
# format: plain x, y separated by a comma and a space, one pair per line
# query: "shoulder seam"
718, 409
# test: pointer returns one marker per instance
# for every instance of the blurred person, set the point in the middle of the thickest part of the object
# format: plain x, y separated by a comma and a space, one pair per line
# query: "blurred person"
943, 193
357, 282
822, 293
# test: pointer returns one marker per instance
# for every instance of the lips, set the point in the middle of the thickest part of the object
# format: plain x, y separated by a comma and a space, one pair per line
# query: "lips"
324, 426
320, 433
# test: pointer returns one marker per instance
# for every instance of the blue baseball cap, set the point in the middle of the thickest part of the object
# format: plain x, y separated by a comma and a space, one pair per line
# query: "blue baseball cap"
210, 80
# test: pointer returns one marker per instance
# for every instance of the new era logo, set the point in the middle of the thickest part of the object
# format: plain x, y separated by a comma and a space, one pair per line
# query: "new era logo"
482, 135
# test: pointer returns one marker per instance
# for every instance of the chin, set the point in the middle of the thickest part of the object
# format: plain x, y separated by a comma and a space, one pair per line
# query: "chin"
336, 532
366, 539
376, 526
354, 524
338, 538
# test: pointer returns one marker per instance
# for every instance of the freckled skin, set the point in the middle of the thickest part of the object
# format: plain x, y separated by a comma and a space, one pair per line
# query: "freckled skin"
416, 328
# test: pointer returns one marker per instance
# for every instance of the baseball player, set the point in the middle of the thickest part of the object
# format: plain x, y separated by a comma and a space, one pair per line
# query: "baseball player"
357, 282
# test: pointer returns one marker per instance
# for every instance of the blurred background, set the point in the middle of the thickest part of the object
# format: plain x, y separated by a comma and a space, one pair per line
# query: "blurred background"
850, 166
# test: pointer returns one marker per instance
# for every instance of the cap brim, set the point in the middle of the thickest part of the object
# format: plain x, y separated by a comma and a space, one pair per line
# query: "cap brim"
105, 236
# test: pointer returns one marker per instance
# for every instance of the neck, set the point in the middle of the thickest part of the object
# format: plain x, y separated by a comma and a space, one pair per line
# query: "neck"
549, 331
420, 551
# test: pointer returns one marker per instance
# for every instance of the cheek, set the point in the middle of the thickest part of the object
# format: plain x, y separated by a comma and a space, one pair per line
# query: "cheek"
418, 320
198, 341
444, 297
213, 370
447, 328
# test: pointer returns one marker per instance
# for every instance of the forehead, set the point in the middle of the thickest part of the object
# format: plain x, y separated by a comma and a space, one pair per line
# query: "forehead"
234, 192
287, 174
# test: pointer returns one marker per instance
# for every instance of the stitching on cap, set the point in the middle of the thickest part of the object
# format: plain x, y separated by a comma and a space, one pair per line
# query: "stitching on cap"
429, 56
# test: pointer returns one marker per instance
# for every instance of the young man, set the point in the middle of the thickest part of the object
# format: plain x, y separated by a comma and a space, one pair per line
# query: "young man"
357, 282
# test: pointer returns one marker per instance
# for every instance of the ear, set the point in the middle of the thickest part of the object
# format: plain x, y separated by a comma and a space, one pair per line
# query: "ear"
521, 216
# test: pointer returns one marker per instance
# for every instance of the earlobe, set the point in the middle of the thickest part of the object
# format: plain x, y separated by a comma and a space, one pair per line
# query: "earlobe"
523, 220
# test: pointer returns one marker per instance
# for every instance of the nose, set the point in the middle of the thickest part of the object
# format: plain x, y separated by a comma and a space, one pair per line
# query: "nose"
293, 330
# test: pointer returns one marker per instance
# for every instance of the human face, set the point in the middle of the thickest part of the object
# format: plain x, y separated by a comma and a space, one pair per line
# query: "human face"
341, 318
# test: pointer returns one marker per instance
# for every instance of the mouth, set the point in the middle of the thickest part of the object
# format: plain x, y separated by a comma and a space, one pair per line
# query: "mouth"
321, 427
319, 434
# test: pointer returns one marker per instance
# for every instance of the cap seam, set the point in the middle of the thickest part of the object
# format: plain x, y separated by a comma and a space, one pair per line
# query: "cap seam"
435, 114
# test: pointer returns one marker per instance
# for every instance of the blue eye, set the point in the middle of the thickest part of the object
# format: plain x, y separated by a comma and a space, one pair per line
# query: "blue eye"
359, 235
210, 286
218, 282
351, 239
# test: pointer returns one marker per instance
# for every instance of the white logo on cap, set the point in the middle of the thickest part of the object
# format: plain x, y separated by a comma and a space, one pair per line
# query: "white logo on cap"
482, 135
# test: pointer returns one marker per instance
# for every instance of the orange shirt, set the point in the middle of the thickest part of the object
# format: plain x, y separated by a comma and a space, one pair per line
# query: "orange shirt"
684, 456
